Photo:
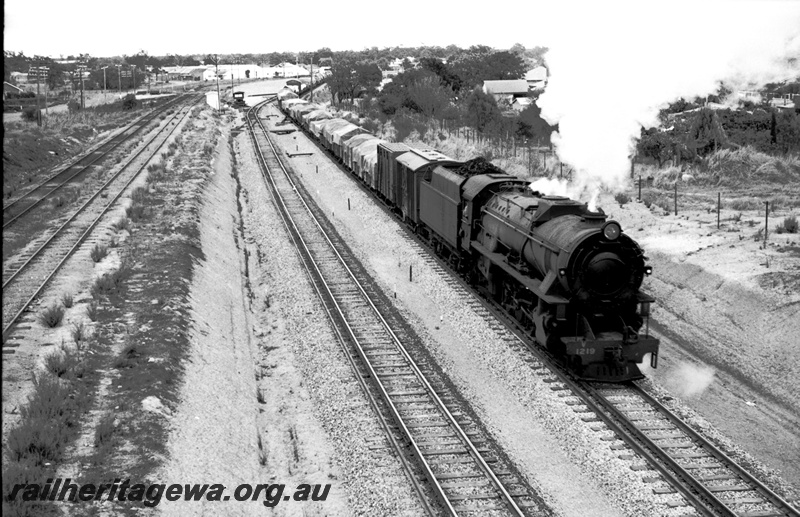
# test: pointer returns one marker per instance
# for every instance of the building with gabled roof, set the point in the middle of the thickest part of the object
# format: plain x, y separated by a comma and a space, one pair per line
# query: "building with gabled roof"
506, 90
537, 77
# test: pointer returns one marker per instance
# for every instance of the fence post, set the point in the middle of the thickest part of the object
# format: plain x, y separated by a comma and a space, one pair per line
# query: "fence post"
676, 197
766, 222
640, 187
410, 272
719, 207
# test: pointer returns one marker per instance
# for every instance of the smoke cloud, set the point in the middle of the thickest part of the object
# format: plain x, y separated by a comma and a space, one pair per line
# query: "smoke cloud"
616, 64
690, 380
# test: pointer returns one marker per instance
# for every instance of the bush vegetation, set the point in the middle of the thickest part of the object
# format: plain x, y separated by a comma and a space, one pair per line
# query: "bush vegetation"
92, 309
67, 300
52, 315
108, 283
98, 252
790, 225
138, 210
31, 114
45, 422
622, 198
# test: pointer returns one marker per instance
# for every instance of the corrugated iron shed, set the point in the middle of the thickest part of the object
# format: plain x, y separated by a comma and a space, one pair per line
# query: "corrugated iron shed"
508, 87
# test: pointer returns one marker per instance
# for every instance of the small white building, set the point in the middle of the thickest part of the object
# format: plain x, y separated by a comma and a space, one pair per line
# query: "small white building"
19, 77
520, 103
506, 90
190, 73
287, 69
537, 78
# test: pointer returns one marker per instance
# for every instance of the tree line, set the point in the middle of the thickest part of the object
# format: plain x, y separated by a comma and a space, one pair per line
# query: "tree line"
694, 130
446, 89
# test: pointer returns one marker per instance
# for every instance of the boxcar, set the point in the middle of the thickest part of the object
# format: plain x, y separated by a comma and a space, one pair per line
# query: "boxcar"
411, 168
387, 169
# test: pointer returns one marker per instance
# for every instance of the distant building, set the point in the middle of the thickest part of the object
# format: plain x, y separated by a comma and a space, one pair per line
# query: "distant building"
537, 78
520, 103
190, 73
19, 77
506, 91
286, 69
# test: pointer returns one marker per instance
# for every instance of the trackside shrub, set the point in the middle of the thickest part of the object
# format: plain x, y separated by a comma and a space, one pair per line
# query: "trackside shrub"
52, 315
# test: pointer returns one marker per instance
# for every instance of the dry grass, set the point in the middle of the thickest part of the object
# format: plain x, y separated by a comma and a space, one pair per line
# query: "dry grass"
156, 172
138, 208
98, 252
52, 315
121, 224
104, 431
739, 166
78, 332
789, 225
127, 358
44, 422
92, 310
67, 300
731, 168
108, 283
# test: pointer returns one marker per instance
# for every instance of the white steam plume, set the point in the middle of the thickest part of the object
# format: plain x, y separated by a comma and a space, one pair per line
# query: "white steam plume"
690, 380
615, 64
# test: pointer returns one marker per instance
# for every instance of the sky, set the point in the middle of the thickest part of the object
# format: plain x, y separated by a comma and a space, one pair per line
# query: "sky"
159, 27
612, 63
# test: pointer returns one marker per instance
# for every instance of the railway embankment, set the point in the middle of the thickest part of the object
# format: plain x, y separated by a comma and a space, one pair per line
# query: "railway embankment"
728, 313
236, 417
314, 422
114, 360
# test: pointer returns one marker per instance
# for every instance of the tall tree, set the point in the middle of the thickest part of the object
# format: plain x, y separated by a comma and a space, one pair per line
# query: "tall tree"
482, 110
707, 134
349, 76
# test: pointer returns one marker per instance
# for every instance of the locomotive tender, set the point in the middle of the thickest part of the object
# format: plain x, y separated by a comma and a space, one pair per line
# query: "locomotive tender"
566, 274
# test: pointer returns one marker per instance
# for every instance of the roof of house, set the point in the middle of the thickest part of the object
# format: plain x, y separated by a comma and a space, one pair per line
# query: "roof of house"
513, 86
537, 74
187, 70
8, 87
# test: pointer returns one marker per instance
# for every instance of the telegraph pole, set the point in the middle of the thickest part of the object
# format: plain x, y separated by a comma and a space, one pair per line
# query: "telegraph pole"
216, 74
83, 100
46, 111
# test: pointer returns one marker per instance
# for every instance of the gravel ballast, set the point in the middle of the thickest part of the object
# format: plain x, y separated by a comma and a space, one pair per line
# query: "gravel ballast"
370, 479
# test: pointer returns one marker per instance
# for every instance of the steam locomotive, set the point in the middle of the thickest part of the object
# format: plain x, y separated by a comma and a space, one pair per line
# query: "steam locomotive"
568, 275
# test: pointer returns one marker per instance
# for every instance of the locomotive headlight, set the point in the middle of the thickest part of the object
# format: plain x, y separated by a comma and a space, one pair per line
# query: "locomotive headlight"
648, 270
611, 230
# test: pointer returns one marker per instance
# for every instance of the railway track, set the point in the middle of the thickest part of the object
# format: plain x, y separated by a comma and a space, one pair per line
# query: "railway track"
461, 476
26, 275
677, 459
682, 461
16, 209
